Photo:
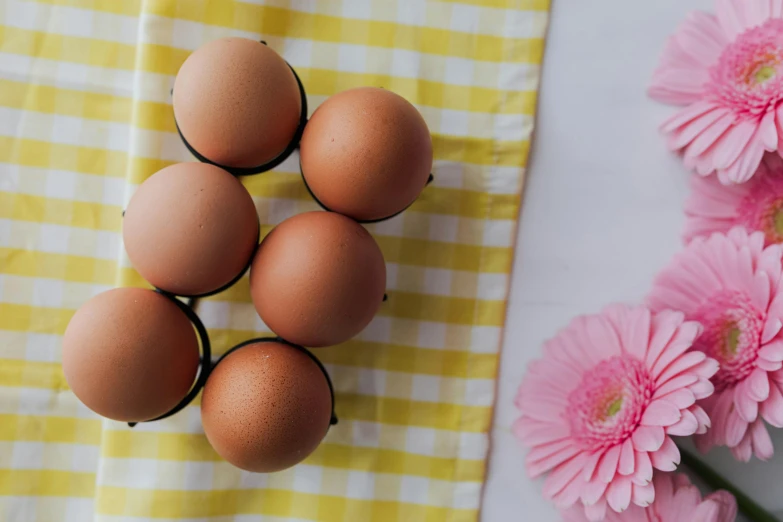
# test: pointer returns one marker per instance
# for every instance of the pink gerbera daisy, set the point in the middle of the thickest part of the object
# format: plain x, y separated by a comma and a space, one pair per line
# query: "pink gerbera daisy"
755, 205
727, 70
731, 284
676, 500
599, 409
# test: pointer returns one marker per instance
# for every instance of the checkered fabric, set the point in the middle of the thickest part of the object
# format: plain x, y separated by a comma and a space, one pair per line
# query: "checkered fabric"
85, 116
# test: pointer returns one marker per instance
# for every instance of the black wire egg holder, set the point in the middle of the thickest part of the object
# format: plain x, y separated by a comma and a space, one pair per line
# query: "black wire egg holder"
333, 419
206, 364
280, 158
363, 221
269, 165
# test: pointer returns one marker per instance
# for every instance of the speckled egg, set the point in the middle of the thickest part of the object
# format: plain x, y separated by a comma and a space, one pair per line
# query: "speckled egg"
366, 153
190, 229
237, 102
318, 279
266, 407
130, 354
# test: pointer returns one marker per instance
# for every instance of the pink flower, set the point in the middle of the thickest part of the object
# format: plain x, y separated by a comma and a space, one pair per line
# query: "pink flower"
727, 70
755, 205
599, 410
731, 284
676, 500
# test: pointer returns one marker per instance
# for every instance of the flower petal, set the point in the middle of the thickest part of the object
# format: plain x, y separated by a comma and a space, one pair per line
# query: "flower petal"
591, 466
540, 407
732, 17
761, 290
744, 450
747, 164
562, 475
682, 398
626, 464
680, 365
681, 381
599, 333
702, 418
758, 385
768, 366
569, 495
544, 458
593, 491
665, 487
607, 469
619, 494
768, 132
661, 413
596, 512
687, 426
695, 46
643, 496
685, 500
688, 114
702, 389
532, 433
726, 502
665, 325
776, 306
677, 85
769, 261
708, 368
680, 343
682, 136
772, 327
747, 408
644, 469
736, 139
648, 438
762, 443
772, 408
772, 351
719, 410
735, 428
633, 328
756, 12
667, 458
706, 139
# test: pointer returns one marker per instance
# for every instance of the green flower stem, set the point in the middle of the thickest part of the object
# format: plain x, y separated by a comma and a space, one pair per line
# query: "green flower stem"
714, 480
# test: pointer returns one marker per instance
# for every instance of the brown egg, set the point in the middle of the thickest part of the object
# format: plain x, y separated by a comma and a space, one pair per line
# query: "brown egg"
266, 407
366, 153
130, 354
318, 279
190, 228
237, 102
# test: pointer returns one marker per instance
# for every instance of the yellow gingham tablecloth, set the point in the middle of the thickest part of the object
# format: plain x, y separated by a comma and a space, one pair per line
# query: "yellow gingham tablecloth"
85, 117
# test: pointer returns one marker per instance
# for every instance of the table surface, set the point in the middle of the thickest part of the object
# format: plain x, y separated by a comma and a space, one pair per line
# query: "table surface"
602, 213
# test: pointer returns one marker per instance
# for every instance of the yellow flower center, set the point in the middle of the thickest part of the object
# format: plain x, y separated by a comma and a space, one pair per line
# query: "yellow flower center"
609, 405
764, 73
614, 407
732, 340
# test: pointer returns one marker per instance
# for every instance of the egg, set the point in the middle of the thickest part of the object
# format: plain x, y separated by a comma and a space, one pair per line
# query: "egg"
236, 102
266, 406
130, 354
366, 153
190, 229
317, 279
